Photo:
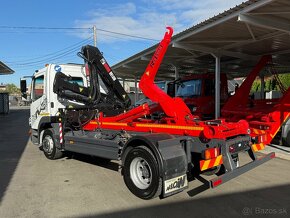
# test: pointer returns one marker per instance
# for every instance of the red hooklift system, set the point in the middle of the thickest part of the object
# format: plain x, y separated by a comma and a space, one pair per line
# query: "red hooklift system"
265, 116
178, 119
159, 155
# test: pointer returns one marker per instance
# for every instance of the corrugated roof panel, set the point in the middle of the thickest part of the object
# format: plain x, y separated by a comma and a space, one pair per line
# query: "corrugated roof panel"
4, 69
239, 43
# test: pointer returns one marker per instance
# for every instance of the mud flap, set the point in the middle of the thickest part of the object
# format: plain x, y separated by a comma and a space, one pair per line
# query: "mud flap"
174, 166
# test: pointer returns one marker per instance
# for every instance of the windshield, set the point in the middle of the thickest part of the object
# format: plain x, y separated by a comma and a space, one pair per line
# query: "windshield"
161, 85
189, 88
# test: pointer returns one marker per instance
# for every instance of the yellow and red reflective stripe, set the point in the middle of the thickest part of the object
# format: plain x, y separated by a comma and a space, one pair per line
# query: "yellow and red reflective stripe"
114, 124
207, 164
259, 131
258, 147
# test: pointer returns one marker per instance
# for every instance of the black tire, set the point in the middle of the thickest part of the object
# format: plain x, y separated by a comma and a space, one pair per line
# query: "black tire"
141, 173
212, 171
286, 141
48, 146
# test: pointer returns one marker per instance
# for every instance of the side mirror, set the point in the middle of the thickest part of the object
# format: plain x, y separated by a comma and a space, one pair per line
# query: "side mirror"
23, 88
171, 89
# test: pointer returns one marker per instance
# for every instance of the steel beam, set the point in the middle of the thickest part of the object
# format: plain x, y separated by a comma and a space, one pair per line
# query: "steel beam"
124, 82
136, 89
265, 22
217, 84
176, 75
209, 50
145, 58
223, 19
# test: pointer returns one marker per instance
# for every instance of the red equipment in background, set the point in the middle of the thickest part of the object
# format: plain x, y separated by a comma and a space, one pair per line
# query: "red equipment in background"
265, 116
198, 93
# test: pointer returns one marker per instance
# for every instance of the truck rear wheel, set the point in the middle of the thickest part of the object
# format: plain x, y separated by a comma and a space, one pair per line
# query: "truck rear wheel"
141, 173
48, 146
286, 141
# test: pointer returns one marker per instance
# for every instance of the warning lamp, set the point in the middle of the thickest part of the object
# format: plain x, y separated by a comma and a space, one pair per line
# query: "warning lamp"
217, 182
231, 149
211, 153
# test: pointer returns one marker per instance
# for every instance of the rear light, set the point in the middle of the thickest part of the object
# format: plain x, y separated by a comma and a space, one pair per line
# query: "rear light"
231, 149
211, 153
263, 138
217, 182
259, 139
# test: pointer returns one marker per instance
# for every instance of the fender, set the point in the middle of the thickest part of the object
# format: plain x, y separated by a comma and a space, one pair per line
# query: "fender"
168, 150
45, 121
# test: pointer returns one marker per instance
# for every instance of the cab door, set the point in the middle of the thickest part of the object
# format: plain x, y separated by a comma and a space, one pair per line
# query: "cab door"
39, 107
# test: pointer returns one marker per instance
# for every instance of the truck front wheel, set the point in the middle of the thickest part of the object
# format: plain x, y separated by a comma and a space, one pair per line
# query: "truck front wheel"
48, 146
141, 173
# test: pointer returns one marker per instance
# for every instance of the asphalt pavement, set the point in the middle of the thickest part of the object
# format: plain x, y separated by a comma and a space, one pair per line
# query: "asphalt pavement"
83, 186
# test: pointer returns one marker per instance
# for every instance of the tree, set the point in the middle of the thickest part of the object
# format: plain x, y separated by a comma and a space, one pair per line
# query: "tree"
12, 89
285, 79
274, 84
268, 85
255, 86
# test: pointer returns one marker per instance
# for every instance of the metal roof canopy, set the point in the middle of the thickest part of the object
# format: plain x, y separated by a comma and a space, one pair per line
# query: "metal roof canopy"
233, 40
4, 69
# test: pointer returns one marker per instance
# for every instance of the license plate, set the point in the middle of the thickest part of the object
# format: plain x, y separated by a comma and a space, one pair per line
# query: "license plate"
175, 184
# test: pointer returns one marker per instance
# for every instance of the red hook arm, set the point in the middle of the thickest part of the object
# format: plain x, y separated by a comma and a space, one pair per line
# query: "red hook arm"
172, 107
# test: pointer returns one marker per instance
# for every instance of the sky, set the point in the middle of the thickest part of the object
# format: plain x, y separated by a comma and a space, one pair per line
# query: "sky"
56, 30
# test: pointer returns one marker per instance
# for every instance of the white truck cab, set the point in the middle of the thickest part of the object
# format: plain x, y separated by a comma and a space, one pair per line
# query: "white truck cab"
45, 102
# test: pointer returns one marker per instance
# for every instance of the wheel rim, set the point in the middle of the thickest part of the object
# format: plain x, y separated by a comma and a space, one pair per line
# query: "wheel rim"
141, 173
48, 144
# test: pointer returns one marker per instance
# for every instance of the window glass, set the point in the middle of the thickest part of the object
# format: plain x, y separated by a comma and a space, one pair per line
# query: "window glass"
189, 88
38, 87
78, 80
161, 85
209, 87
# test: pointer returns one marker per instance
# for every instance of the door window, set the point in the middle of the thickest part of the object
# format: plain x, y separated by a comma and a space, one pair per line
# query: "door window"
38, 88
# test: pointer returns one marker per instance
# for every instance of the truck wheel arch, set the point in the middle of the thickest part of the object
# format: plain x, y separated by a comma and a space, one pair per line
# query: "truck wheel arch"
45, 123
150, 141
